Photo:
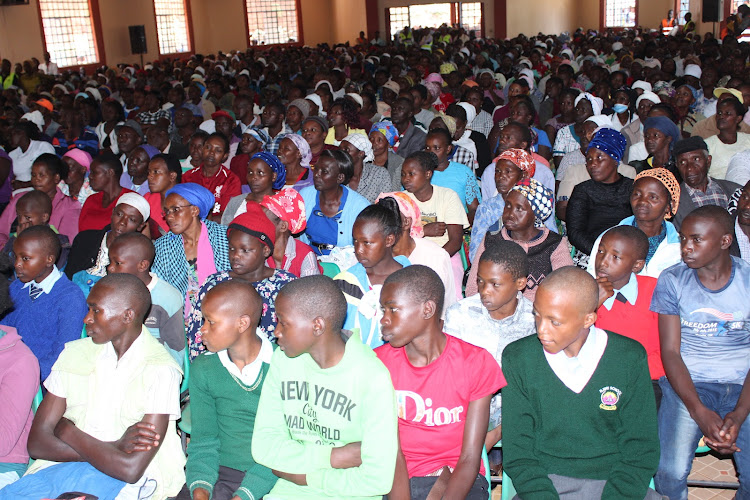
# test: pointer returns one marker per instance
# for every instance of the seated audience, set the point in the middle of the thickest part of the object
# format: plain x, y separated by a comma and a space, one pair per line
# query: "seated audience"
383, 137
367, 180
265, 176
104, 178
164, 173
76, 182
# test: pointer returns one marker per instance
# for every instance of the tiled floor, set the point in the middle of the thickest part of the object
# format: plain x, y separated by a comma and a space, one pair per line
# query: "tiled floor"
705, 468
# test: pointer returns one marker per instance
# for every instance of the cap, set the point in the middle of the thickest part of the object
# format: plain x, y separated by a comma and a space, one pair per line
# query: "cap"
718, 91
225, 113
131, 124
46, 104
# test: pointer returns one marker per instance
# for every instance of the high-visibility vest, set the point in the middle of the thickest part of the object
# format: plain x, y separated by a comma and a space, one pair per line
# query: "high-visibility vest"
406, 39
666, 26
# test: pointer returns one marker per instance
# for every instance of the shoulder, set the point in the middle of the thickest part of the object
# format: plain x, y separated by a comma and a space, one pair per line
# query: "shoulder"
94, 198
521, 348
68, 290
624, 347
355, 199
163, 291
646, 283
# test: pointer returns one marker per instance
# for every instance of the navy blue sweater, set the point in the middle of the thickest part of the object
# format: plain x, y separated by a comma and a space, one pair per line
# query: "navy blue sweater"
50, 321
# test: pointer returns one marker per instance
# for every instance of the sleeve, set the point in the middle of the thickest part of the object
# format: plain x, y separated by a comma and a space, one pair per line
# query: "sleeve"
529, 478
379, 446
478, 229
257, 482
559, 148
487, 181
452, 323
231, 209
472, 188
68, 224
6, 220
665, 299
163, 389
638, 439
492, 379
591, 266
273, 445
739, 168
471, 281
232, 187
18, 386
577, 220
202, 468
309, 266
561, 255
172, 328
453, 209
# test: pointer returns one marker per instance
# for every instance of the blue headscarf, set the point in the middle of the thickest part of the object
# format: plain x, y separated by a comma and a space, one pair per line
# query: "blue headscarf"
276, 165
611, 142
387, 129
665, 126
150, 150
195, 194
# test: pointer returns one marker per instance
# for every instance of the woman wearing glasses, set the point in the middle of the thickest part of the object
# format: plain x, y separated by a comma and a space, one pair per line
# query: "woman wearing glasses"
195, 247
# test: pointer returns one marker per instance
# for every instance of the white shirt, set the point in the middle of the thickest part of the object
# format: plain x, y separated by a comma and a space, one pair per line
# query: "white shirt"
575, 372
739, 168
249, 373
22, 160
432, 255
48, 282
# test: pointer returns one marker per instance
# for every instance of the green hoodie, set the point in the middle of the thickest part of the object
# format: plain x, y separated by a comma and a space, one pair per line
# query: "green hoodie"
305, 412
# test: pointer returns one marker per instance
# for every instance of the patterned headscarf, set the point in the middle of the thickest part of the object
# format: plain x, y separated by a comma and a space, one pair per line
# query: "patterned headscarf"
288, 206
259, 135
449, 121
303, 147
610, 141
434, 89
540, 198
408, 208
520, 158
361, 142
668, 180
387, 129
272, 161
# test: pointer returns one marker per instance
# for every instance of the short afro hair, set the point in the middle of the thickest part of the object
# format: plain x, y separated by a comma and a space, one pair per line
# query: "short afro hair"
139, 241
315, 296
421, 283
44, 235
637, 237
717, 215
37, 200
426, 159
130, 291
509, 255
575, 282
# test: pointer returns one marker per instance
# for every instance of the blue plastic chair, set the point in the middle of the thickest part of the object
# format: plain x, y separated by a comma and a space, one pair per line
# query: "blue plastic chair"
330, 269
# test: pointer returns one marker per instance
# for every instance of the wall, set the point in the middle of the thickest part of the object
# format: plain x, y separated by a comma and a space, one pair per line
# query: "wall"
540, 16
218, 25
20, 32
349, 18
316, 21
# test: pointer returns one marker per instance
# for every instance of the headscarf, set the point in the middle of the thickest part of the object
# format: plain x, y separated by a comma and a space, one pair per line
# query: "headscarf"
520, 158
136, 201
317, 119
449, 121
361, 142
694, 91
602, 121
668, 180
278, 168
387, 129
288, 206
434, 89
196, 195
471, 112
80, 156
409, 209
540, 198
302, 105
597, 104
610, 141
665, 126
259, 135
303, 147
647, 96
150, 150
255, 223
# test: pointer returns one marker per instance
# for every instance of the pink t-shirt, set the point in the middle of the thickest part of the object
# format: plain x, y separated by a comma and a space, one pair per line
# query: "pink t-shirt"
433, 401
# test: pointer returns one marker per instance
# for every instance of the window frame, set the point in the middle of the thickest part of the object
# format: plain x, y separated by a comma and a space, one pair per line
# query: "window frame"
188, 26
679, 14
96, 27
456, 15
300, 34
603, 17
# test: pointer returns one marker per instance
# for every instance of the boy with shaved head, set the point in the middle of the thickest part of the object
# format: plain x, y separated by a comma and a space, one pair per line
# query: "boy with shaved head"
225, 388
107, 424
579, 416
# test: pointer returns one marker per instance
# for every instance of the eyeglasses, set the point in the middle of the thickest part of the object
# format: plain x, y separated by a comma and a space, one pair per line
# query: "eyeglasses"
173, 211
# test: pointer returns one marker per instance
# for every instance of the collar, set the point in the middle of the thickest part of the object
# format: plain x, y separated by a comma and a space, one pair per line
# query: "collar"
629, 291
576, 372
249, 374
48, 282
154, 280
132, 355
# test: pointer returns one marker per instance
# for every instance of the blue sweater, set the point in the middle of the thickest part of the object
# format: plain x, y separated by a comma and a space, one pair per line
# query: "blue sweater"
50, 321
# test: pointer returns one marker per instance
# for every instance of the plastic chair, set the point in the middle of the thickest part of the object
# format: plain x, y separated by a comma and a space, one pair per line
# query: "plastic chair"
330, 269
83, 332
37, 400
487, 473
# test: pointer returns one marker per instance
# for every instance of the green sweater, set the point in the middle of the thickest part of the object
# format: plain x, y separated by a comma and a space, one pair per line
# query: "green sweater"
306, 411
608, 431
223, 416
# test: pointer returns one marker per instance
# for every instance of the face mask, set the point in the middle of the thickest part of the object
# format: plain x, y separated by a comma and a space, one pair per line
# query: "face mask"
620, 108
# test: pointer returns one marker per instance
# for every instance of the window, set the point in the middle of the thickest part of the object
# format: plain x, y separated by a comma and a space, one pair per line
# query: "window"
736, 4
684, 9
171, 26
399, 18
471, 17
619, 13
69, 32
272, 21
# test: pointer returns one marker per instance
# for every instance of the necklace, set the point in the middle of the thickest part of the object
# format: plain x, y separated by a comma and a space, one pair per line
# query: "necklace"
246, 388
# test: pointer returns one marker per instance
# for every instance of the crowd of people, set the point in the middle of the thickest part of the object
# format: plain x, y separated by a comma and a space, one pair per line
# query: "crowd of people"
324, 264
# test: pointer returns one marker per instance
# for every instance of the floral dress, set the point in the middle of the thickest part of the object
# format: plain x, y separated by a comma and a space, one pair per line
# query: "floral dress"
268, 289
